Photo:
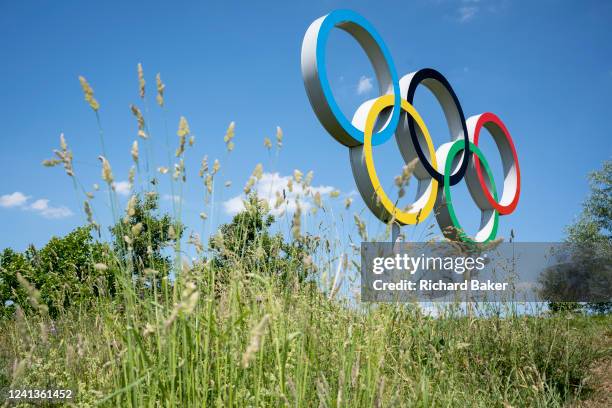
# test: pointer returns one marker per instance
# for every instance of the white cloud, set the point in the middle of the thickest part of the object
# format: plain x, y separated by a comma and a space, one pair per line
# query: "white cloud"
365, 85
39, 205
266, 189
234, 205
122, 188
468, 10
17, 199
467, 13
42, 207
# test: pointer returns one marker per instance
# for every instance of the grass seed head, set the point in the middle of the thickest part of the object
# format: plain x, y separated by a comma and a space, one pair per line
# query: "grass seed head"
229, 135
255, 343
51, 162
279, 200
279, 137
88, 212
308, 179
397, 180
296, 223
194, 239
63, 143
203, 166
339, 277
131, 206
179, 170
107, 172
160, 90
89, 94
258, 171
135, 151
140, 120
182, 132
317, 199
131, 175
33, 295
183, 129
141, 81
137, 229
148, 330
361, 228
63, 155
297, 175
208, 182
100, 267
249, 185
187, 304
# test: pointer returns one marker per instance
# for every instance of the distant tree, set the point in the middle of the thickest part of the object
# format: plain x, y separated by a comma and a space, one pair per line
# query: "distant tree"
594, 226
66, 271
11, 294
246, 241
592, 235
75, 269
141, 236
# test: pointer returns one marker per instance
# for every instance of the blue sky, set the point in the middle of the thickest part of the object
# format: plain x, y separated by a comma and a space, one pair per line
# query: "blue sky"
544, 67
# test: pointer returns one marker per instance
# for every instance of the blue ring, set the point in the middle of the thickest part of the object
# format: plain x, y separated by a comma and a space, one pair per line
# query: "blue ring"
331, 21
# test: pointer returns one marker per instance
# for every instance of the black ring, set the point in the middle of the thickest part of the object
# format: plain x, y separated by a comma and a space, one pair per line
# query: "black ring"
430, 78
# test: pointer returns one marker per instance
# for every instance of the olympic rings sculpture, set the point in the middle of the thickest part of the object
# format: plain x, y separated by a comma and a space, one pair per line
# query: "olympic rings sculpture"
393, 113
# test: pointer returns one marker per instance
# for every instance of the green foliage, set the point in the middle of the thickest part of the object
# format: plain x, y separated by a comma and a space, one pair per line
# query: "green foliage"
74, 270
247, 243
11, 293
594, 226
592, 236
564, 307
141, 236
255, 346
598, 207
261, 341
64, 272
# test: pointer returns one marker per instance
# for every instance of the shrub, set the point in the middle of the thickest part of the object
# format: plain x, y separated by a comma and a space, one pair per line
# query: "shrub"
246, 243
67, 271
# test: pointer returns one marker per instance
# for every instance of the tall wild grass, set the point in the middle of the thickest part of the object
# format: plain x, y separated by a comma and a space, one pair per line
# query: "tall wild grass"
240, 336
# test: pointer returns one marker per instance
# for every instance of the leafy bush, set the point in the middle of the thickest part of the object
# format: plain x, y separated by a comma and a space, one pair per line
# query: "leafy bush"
11, 293
67, 271
591, 233
247, 243
141, 236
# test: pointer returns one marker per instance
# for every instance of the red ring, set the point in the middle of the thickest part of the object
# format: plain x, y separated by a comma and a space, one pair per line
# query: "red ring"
487, 119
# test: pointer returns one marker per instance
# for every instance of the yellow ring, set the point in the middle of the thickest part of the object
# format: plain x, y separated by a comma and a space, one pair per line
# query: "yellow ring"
403, 217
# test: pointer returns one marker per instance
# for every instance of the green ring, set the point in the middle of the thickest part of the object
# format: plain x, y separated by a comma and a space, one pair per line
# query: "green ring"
456, 148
